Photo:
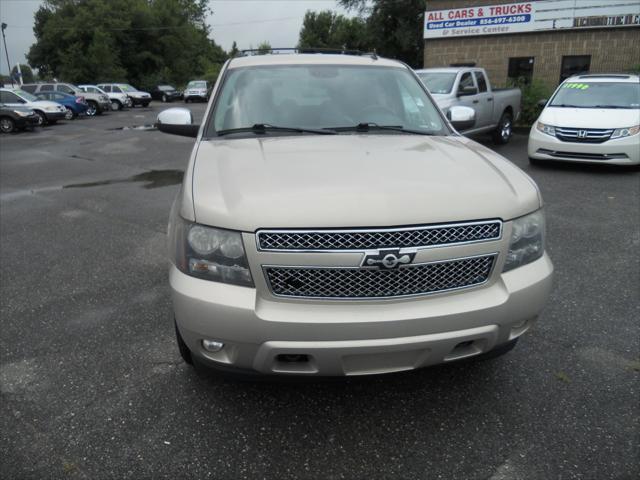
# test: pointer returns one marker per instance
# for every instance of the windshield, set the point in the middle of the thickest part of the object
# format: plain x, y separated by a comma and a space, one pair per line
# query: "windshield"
127, 88
27, 96
197, 84
324, 96
597, 95
166, 88
440, 82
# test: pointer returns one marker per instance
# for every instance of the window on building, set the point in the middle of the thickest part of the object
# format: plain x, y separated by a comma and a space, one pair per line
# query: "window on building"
481, 81
573, 65
520, 69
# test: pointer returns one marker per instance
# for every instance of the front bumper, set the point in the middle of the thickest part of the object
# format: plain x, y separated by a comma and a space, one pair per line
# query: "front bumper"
621, 151
261, 332
55, 116
24, 122
140, 100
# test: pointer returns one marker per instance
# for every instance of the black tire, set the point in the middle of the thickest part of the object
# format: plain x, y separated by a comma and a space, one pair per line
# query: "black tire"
69, 114
93, 108
186, 100
504, 130
116, 105
164, 98
185, 353
145, 104
7, 125
42, 118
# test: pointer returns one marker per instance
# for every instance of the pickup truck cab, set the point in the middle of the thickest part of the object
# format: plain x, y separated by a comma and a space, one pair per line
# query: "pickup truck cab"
332, 221
496, 108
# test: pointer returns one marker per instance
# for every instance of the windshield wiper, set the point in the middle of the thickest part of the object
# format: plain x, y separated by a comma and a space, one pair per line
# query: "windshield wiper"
564, 105
609, 106
369, 126
262, 128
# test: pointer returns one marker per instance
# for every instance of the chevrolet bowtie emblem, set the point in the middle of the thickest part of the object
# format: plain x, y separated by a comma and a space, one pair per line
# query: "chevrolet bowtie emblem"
388, 259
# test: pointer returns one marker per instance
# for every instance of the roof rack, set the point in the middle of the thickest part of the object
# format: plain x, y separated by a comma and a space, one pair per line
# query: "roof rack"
325, 51
605, 75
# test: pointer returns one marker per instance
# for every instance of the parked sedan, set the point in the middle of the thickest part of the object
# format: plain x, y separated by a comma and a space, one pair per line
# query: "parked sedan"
137, 97
75, 105
165, 93
16, 118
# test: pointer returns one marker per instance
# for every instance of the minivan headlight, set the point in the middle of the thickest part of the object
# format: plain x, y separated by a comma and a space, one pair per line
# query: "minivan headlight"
208, 253
527, 240
625, 132
544, 128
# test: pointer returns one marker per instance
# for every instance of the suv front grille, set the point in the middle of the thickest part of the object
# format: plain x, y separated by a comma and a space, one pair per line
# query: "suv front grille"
583, 135
364, 283
318, 240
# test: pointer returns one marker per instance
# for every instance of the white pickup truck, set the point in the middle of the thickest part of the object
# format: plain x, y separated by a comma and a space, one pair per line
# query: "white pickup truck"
496, 108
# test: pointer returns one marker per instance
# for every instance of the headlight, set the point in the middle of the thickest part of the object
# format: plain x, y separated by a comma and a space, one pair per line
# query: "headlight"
20, 113
548, 129
50, 109
527, 240
625, 132
208, 253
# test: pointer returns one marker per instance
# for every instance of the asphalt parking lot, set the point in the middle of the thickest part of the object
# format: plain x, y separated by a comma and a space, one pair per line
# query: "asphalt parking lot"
93, 386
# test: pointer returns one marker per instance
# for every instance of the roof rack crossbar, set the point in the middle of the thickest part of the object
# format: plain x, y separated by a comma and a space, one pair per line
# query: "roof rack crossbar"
321, 50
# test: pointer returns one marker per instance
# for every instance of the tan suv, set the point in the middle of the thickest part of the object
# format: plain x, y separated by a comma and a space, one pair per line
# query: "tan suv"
333, 222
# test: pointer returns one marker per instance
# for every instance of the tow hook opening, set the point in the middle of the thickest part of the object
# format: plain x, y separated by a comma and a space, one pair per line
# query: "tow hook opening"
468, 348
292, 358
294, 363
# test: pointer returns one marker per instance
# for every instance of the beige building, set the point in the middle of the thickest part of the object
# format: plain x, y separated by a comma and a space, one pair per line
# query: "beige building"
547, 40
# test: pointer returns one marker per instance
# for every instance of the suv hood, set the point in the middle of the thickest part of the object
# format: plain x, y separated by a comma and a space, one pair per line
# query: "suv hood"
45, 104
309, 181
590, 117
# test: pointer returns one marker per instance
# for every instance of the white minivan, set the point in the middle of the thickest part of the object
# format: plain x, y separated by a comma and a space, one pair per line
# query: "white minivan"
590, 118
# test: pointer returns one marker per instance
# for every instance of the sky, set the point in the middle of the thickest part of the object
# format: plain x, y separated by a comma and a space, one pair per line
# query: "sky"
248, 22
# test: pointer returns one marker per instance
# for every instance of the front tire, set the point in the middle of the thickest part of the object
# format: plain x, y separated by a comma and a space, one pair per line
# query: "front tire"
164, 98
116, 105
92, 110
7, 125
503, 132
68, 115
145, 104
42, 119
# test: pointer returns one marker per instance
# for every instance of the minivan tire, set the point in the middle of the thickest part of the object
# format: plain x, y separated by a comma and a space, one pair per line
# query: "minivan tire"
7, 125
116, 105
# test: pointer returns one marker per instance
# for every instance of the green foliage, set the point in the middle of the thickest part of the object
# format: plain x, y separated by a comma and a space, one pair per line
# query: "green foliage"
390, 27
264, 48
532, 93
27, 73
144, 42
327, 29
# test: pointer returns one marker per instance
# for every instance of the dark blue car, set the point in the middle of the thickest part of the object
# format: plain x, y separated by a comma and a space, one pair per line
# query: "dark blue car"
74, 105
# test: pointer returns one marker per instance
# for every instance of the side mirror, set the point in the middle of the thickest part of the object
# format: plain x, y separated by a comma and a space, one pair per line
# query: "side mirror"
542, 103
468, 90
462, 118
177, 121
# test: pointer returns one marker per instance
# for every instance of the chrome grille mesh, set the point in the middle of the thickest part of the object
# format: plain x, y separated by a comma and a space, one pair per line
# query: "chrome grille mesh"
590, 135
365, 283
373, 239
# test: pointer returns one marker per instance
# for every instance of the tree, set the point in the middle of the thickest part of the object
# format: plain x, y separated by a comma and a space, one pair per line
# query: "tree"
27, 73
327, 29
141, 41
264, 48
234, 50
393, 27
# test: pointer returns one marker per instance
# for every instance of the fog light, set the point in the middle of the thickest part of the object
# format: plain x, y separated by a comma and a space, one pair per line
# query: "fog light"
212, 345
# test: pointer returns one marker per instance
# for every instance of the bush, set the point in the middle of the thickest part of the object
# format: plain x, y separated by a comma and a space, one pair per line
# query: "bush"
532, 93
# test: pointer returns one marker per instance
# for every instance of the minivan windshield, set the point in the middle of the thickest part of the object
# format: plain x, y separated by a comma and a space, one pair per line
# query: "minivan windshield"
438, 82
324, 97
197, 84
597, 95
27, 96
127, 88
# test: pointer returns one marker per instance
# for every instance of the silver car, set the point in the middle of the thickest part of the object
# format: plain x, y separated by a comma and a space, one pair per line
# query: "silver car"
333, 222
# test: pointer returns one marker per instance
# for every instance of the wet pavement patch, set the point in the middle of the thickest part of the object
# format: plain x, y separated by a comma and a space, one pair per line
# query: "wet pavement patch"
152, 179
148, 126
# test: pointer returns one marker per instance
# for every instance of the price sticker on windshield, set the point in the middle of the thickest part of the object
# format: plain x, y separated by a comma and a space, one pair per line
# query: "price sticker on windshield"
577, 86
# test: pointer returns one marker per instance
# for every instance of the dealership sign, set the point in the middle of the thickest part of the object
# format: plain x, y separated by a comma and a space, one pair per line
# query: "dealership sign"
530, 17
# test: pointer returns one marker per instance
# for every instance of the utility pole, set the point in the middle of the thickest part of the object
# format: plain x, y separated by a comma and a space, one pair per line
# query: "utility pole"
4, 39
